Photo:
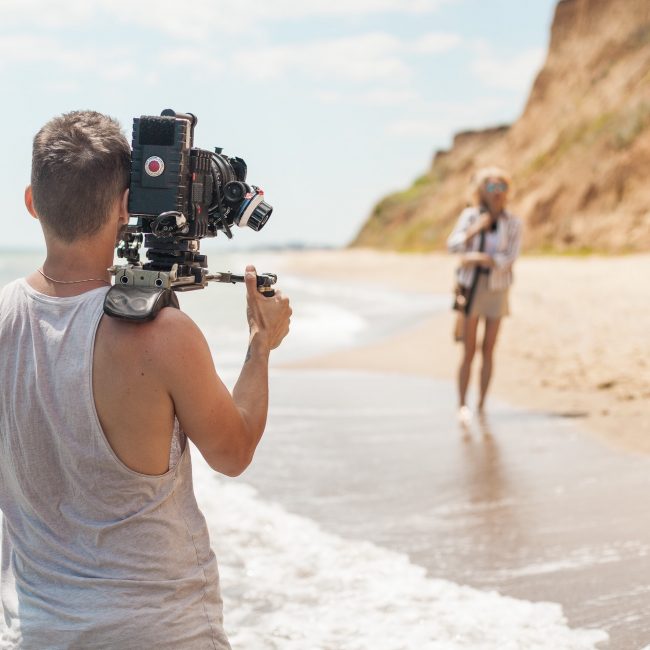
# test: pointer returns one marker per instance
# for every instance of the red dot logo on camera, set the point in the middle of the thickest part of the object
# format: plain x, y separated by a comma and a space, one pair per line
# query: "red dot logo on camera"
154, 166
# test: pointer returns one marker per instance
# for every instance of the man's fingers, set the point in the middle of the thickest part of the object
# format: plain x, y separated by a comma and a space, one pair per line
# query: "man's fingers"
251, 280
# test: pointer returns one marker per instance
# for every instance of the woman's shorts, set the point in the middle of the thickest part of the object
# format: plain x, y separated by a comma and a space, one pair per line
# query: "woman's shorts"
487, 303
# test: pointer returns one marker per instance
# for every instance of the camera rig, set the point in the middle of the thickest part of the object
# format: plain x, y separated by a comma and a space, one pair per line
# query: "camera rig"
178, 194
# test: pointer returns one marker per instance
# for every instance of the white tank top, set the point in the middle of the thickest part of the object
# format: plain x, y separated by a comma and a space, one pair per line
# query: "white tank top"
94, 554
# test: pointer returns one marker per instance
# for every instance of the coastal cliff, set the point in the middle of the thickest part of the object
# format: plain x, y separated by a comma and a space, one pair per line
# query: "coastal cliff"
579, 154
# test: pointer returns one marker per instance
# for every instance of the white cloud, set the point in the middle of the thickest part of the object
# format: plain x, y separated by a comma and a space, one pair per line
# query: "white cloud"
110, 64
366, 57
387, 96
63, 87
329, 96
30, 48
421, 127
363, 57
207, 17
438, 121
373, 97
291, 9
45, 13
436, 42
513, 73
118, 71
182, 56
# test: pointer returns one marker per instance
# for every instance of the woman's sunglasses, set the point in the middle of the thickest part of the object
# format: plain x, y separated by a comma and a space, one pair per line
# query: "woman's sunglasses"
496, 187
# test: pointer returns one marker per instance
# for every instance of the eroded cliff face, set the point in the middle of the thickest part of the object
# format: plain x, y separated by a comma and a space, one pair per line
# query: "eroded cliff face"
579, 154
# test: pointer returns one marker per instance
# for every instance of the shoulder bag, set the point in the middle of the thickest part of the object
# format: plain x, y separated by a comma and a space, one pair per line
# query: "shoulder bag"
463, 297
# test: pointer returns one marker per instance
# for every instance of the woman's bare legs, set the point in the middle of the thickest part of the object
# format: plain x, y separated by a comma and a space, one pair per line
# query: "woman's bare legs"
489, 342
469, 347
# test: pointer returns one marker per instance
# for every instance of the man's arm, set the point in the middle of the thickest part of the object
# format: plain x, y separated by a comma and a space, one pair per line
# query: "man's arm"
226, 428
268, 321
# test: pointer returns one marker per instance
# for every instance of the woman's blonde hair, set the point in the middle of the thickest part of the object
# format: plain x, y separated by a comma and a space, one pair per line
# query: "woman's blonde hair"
481, 175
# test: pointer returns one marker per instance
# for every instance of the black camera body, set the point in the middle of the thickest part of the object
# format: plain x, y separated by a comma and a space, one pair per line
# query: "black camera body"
178, 194
169, 175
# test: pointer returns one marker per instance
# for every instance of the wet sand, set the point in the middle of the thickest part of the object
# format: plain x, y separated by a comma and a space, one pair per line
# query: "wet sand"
576, 344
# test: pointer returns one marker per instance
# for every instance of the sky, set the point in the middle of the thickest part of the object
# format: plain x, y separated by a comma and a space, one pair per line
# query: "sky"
332, 103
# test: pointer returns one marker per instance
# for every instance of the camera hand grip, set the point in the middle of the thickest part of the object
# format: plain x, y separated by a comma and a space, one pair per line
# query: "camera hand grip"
265, 283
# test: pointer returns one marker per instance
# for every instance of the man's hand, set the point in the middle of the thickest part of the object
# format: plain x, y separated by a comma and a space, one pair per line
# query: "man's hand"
268, 317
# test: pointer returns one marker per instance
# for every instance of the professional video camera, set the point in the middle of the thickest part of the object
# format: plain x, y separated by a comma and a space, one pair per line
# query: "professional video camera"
178, 194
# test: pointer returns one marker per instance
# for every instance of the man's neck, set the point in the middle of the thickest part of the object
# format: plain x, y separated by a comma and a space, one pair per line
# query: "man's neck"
73, 269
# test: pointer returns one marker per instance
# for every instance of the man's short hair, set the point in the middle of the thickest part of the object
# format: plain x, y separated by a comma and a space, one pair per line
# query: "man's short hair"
80, 168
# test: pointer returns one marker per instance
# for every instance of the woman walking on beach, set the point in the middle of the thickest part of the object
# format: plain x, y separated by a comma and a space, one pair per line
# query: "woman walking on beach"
488, 238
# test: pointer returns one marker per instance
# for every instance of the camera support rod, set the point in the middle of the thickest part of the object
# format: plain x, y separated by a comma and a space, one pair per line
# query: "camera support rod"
139, 294
265, 281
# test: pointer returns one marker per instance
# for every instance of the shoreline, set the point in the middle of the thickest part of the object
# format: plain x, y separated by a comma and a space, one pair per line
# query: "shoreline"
575, 345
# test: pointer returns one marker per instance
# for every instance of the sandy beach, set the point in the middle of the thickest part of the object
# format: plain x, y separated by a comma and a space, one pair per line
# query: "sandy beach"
576, 345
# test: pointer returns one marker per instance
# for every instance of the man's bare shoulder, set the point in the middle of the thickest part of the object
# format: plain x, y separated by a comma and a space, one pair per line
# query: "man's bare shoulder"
170, 337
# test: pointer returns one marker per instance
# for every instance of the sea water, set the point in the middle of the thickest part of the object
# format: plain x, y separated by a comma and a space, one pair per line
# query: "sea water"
290, 585
288, 582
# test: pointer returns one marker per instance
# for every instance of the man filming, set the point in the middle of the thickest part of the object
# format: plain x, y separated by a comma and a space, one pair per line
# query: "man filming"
103, 545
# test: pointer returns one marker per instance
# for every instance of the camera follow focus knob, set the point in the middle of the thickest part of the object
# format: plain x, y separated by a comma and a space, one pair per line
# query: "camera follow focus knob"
259, 216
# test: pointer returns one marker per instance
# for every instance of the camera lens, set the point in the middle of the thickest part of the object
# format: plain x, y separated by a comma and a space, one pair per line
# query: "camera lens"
234, 191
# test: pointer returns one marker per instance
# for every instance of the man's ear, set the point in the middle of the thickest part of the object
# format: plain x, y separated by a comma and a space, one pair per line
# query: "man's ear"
124, 208
29, 202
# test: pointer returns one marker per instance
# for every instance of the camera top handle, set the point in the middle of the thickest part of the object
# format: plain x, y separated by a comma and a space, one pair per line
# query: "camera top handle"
190, 117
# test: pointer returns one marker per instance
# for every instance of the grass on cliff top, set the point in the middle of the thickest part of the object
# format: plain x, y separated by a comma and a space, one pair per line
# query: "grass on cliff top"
420, 186
619, 129
393, 212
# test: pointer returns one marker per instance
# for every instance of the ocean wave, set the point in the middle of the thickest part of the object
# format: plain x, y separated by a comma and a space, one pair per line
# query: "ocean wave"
290, 585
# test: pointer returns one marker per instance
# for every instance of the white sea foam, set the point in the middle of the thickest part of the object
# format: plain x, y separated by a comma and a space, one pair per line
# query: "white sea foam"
585, 557
317, 326
319, 320
326, 316
367, 299
289, 585
316, 329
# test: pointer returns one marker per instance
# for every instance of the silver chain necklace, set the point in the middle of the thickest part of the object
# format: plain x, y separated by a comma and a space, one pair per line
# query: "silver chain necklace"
47, 277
